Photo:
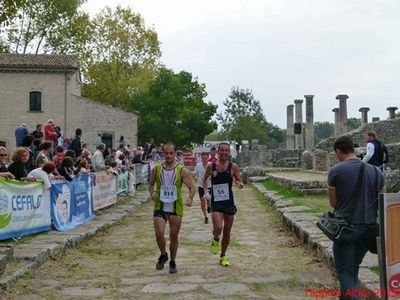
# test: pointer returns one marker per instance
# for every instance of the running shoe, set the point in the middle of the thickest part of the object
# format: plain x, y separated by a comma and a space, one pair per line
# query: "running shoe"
214, 246
205, 220
172, 267
224, 261
161, 261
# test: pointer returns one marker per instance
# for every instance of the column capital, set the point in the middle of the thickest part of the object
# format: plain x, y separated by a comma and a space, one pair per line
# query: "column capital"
363, 109
335, 109
290, 106
309, 96
393, 108
342, 97
296, 101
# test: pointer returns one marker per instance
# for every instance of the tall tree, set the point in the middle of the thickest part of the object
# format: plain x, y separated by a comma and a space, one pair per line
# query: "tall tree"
118, 54
322, 130
124, 56
243, 119
9, 10
353, 123
30, 26
173, 109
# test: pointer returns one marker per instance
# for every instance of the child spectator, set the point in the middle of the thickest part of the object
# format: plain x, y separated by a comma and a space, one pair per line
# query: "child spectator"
59, 155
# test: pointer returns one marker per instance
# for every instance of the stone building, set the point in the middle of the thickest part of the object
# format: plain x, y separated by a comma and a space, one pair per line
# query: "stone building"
35, 88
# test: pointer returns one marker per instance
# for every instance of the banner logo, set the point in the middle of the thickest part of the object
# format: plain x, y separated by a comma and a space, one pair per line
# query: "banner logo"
394, 283
5, 214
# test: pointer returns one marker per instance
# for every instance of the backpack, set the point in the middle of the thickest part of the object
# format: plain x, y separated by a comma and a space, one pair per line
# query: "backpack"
385, 153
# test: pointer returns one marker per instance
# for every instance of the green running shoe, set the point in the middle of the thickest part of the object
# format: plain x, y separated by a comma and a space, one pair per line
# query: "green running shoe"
214, 246
224, 261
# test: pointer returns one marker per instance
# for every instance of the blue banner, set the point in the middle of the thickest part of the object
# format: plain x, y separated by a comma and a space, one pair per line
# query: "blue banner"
71, 202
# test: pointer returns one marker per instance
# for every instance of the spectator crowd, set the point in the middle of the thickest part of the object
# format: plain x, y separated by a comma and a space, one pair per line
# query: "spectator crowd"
46, 154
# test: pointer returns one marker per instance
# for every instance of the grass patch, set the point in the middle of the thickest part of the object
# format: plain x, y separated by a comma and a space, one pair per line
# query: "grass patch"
374, 269
283, 191
276, 218
317, 203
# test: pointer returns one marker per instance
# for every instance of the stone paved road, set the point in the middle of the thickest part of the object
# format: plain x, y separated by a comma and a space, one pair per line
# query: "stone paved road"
266, 262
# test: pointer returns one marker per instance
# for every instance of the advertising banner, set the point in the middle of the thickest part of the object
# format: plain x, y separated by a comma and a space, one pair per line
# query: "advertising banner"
24, 209
142, 173
71, 202
392, 244
145, 173
122, 182
104, 190
207, 145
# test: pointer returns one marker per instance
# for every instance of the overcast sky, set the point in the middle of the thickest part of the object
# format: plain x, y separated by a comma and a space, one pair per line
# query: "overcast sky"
282, 49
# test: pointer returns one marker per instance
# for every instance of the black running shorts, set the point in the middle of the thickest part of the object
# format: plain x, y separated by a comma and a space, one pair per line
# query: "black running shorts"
201, 191
229, 210
163, 214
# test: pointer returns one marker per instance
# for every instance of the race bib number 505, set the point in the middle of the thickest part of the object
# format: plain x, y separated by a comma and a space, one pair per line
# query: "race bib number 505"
168, 194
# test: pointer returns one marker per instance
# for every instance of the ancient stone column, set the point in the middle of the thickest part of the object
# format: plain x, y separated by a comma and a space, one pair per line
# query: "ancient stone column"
299, 141
392, 112
309, 134
289, 127
375, 119
364, 115
336, 128
342, 113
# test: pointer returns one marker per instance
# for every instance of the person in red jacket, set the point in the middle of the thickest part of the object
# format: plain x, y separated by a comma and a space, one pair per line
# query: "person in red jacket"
50, 132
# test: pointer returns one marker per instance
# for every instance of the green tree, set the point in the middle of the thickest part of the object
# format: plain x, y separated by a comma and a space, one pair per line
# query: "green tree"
29, 24
323, 130
9, 10
243, 119
173, 109
353, 123
123, 54
215, 136
73, 38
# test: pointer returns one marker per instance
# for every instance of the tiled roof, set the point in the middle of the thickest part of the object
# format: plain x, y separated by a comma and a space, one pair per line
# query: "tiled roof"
38, 61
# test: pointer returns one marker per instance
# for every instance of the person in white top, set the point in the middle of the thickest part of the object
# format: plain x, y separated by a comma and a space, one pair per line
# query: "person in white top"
199, 172
98, 158
120, 151
374, 155
45, 173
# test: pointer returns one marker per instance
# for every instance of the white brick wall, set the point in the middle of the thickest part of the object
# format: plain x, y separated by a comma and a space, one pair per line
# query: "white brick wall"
93, 118
90, 116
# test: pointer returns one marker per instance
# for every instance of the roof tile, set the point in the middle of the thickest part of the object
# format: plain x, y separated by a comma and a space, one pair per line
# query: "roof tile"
48, 61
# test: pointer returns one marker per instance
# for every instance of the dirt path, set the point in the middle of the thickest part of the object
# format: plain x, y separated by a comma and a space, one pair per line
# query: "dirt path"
266, 262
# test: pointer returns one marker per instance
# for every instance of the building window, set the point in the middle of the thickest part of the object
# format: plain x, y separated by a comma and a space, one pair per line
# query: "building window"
35, 101
107, 138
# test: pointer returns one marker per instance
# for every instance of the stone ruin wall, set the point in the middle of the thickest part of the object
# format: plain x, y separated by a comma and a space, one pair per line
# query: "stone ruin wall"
322, 158
387, 131
260, 156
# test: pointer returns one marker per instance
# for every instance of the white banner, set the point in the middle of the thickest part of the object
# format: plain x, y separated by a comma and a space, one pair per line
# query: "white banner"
104, 190
122, 182
24, 209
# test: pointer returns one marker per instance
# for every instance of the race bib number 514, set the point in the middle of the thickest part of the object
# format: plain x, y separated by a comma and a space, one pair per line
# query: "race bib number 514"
168, 194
